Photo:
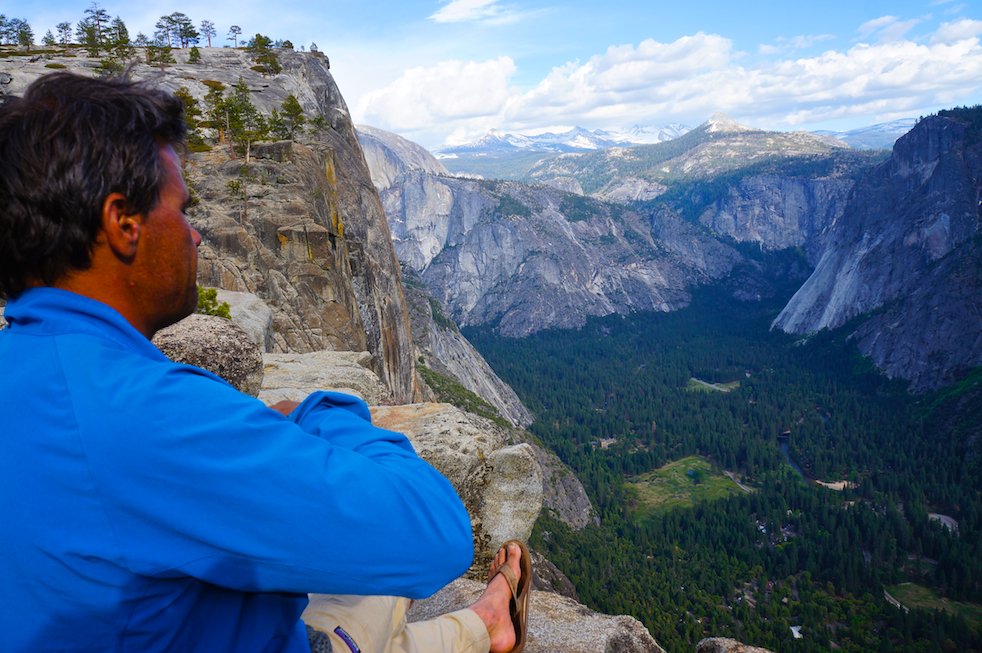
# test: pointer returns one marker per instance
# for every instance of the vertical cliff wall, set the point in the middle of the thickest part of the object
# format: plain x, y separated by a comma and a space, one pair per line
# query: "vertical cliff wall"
906, 258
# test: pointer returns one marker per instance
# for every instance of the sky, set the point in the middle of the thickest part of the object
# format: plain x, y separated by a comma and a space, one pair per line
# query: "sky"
444, 72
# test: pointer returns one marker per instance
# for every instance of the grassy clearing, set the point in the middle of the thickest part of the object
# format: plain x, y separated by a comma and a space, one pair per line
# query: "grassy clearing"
679, 484
698, 385
918, 597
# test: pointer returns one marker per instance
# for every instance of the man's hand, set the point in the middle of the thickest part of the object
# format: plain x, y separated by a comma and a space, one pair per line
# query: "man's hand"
285, 407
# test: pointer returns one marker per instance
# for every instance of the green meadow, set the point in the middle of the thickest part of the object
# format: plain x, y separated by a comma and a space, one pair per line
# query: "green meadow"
679, 484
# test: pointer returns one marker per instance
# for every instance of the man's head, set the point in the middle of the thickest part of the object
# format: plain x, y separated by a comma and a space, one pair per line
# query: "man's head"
67, 144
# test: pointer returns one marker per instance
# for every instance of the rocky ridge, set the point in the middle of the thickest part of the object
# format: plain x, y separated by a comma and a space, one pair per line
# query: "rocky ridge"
717, 147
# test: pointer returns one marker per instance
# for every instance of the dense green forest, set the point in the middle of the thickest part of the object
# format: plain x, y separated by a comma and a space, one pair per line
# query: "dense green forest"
789, 552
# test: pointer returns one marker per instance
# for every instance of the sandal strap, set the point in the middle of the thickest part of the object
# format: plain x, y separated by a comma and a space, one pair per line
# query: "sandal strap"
510, 578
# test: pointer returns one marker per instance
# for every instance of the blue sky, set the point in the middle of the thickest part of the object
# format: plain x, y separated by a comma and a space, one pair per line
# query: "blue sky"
445, 71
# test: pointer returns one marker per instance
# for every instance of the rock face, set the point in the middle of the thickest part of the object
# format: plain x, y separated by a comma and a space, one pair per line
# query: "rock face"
905, 255
294, 376
389, 156
556, 623
526, 258
215, 344
304, 229
252, 315
779, 211
500, 484
445, 350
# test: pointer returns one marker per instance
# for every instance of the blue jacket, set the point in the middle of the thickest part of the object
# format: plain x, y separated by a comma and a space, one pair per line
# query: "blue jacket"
149, 506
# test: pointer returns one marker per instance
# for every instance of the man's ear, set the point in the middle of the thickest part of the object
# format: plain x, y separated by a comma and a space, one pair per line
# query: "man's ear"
122, 229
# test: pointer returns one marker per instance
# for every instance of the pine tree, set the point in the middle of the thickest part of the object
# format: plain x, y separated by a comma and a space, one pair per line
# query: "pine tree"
207, 30
98, 19
233, 35
64, 33
263, 55
293, 116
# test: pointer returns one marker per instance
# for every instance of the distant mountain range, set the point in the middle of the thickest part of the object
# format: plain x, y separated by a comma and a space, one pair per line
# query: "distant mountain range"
576, 139
881, 136
508, 155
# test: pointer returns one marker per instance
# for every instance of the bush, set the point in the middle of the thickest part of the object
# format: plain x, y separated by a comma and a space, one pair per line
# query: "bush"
56, 66
450, 391
208, 303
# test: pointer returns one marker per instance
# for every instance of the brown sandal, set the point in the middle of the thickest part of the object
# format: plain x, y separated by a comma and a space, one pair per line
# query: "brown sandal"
521, 590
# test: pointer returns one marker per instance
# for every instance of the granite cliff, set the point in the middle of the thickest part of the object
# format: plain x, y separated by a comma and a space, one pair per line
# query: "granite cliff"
523, 258
612, 231
903, 261
301, 225
440, 345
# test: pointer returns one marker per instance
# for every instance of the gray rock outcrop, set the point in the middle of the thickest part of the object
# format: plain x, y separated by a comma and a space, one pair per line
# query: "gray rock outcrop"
252, 315
217, 345
557, 624
501, 485
294, 376
726, 645
905, 256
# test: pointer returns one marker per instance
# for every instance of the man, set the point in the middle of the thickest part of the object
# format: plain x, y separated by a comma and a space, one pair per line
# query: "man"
149, 506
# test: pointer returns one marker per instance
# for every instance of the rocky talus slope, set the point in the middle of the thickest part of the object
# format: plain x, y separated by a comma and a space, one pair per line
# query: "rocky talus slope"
904, 259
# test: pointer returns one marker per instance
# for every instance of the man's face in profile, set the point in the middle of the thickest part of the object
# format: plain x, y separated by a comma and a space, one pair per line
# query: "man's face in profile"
168, 249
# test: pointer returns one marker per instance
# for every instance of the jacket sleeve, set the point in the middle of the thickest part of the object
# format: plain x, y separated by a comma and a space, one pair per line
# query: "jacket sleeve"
201, 480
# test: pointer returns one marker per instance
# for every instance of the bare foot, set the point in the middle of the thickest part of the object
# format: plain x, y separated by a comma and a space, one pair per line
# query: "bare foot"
493, 606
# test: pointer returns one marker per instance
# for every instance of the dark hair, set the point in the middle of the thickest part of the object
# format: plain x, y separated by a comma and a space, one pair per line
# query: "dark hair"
64, 146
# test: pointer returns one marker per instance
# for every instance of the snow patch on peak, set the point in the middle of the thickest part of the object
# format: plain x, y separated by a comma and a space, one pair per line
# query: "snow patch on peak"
723, 124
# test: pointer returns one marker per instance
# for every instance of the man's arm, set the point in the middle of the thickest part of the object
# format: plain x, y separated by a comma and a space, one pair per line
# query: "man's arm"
241, 497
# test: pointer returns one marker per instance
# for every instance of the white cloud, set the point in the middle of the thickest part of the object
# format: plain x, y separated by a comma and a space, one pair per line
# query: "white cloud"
460, 11
433, 96
791, 44
886, 28
957, 31
686, 81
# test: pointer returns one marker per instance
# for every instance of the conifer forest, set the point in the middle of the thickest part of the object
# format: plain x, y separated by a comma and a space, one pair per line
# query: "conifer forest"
773, 559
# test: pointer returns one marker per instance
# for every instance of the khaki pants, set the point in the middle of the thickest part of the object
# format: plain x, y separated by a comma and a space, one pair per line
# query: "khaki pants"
377, 624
